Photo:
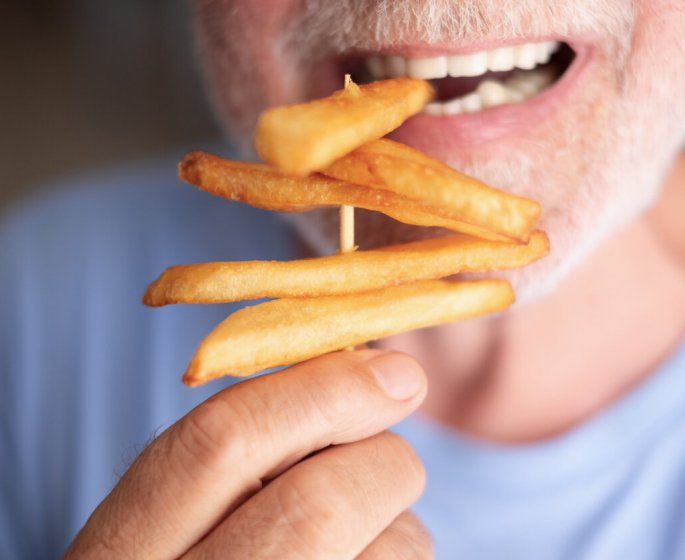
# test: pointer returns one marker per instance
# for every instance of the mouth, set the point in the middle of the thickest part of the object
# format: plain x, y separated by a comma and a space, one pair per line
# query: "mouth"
469, 83
482, 95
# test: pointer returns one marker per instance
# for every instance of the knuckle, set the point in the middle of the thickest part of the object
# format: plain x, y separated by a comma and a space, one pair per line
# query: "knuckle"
213, 435
405, 539
331, 387
408, 548
403, 455
310, 509
410, 540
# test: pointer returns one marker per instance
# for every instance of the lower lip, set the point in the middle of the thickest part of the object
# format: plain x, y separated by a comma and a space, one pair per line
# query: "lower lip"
443, 136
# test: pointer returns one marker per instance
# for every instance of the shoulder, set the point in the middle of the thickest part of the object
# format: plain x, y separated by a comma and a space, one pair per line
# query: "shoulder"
137, 205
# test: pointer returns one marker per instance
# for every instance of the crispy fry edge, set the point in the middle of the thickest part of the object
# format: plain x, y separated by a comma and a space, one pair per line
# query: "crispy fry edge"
306, 137
339, 274
287, 331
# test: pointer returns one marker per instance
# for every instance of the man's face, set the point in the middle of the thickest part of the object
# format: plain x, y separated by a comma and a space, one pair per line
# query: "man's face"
588, 134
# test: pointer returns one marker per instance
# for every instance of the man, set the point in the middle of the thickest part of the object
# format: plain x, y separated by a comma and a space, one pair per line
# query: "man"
551, 431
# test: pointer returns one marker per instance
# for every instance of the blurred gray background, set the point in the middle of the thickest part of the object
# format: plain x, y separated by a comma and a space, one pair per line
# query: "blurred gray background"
91, 83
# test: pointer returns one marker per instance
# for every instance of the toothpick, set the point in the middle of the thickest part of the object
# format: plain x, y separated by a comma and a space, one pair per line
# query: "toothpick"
347, 229
347, 212
351, 88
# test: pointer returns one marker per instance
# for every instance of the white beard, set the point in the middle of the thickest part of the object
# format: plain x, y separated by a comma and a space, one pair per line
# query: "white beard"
366, 23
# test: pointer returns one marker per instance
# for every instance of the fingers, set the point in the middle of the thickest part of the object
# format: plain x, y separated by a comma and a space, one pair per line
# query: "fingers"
329, 506
208, 463
405, 539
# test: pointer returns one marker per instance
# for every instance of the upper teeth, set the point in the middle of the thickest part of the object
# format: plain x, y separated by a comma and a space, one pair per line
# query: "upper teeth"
526, 57
492, 92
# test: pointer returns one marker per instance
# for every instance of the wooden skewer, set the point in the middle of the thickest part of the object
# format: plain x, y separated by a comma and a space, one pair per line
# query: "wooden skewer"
347, 229
347, 212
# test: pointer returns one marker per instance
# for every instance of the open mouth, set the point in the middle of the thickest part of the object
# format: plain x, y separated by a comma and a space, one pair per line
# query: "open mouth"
473, 82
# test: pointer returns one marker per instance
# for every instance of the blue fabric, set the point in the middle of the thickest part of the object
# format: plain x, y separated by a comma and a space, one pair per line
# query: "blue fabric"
612, 488
88, 375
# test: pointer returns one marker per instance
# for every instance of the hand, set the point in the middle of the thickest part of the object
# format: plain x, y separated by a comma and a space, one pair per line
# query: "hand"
237, 478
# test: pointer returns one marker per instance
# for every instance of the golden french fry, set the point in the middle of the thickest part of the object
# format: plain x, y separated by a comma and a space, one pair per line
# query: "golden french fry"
286, 331
388, 165
220, 282
264, 187
300, 139
418, 214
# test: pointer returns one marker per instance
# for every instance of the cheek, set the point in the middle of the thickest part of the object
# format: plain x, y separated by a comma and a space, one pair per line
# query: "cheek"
238, 42
261, 20
659, 50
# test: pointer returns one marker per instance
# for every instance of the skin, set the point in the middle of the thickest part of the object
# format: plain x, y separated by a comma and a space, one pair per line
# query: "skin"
238, 476
606, 170
528, 375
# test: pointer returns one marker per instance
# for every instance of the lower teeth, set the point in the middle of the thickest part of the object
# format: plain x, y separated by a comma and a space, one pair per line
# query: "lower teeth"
521, 86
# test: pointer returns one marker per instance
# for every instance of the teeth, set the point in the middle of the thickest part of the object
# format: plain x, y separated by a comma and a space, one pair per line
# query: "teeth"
514, 95
530, 83
544, 51
471, 103
436, 109
553, 46
520, 86
467, 65
395, 67
453, 107
526, 57
492, 93
501, 60
376, 66
427, 68
542, 54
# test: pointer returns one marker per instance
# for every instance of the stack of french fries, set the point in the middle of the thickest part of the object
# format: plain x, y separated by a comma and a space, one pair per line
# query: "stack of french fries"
330, 152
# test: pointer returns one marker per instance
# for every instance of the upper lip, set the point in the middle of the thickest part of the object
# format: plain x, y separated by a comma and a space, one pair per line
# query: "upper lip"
416, 50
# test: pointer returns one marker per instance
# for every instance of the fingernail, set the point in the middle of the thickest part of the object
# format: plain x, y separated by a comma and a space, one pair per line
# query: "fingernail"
400, 376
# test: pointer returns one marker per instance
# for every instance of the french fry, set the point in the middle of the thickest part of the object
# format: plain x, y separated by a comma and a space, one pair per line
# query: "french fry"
415, 213
327, 153
300, 139
222, 282
263, 187
388, 165
286, 331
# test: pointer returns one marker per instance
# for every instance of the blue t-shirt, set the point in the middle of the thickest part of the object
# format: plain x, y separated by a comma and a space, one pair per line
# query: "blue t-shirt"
88, 375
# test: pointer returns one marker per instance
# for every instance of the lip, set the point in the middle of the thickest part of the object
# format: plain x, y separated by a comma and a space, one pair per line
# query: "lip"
418, 50
443, 136
447, 137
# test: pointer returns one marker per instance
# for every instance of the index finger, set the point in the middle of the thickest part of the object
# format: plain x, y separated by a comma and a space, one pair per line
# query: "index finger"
209, 462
